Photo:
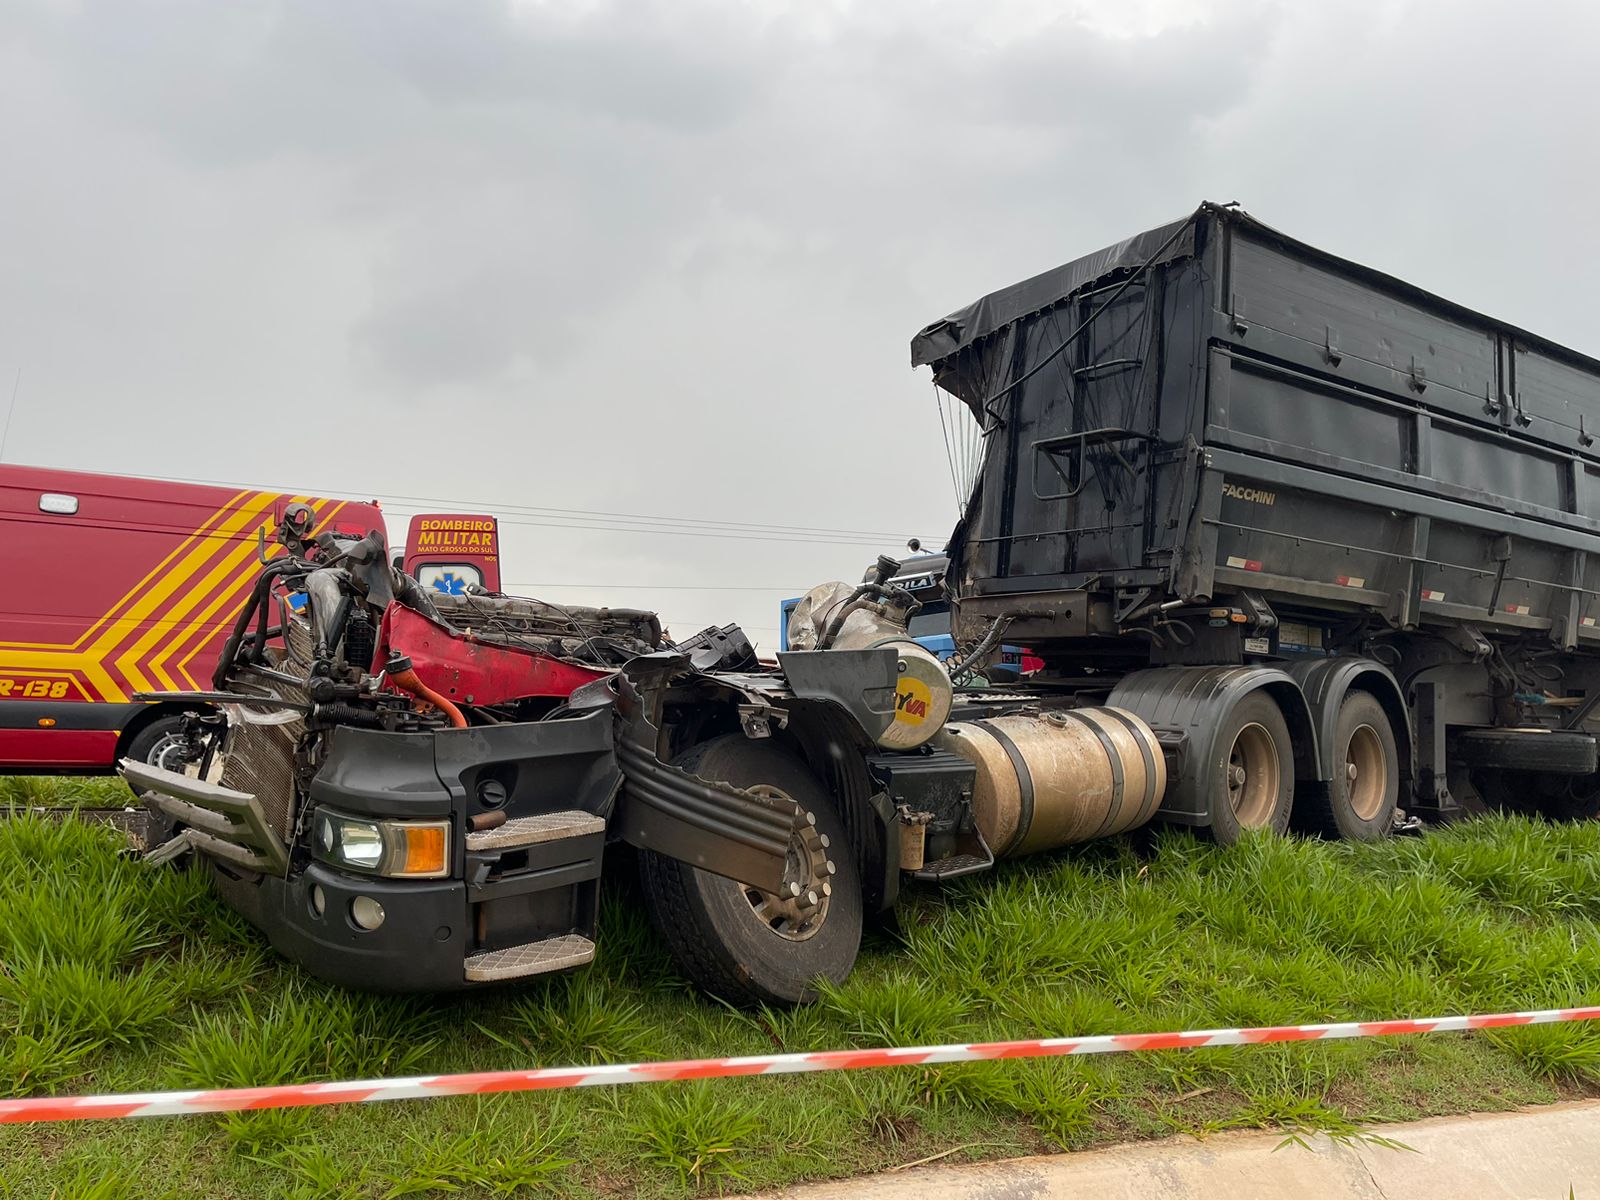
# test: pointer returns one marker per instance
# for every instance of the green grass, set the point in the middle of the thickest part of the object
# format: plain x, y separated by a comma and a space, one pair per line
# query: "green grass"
115, 977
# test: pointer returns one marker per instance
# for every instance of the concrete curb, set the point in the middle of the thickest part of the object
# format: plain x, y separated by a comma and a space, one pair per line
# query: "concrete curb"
1534, 1153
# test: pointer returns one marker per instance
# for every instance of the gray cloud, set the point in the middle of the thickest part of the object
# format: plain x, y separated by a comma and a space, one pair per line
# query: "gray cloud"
666, 257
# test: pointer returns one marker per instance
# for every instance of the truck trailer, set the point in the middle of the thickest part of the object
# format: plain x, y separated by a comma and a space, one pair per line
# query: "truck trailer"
1295, 542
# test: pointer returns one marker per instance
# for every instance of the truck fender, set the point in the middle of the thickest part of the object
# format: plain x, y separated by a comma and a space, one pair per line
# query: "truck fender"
1185, 707
1326, 681
828, 715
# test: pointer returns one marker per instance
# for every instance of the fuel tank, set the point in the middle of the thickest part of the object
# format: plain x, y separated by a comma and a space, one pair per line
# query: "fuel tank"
1050, 779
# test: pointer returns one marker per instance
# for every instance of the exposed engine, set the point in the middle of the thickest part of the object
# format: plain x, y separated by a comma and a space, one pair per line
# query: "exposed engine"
333, 635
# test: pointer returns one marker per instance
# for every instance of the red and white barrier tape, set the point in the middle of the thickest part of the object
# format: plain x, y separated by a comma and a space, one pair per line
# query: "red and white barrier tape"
165, 1104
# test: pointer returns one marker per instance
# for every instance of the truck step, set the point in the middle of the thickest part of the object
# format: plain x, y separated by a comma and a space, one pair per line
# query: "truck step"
954, 867
531, 831
535, 958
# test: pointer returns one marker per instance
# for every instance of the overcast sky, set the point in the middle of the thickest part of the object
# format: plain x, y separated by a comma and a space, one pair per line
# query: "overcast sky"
666, 258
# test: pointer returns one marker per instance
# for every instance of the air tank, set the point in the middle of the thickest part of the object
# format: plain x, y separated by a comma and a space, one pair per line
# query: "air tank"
1051, 779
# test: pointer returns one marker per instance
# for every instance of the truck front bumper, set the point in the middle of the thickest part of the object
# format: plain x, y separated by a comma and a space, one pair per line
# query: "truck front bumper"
420, 945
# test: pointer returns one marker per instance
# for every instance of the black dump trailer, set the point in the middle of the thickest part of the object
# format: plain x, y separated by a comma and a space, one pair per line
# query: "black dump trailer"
1218, 464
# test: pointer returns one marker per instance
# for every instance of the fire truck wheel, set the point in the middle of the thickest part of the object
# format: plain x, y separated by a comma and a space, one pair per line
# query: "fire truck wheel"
747, 946
160, 744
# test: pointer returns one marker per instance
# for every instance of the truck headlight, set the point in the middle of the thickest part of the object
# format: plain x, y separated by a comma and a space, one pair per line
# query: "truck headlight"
392, 848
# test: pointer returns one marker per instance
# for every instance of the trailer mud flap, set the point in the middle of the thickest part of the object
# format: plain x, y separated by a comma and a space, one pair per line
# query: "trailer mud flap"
714, 826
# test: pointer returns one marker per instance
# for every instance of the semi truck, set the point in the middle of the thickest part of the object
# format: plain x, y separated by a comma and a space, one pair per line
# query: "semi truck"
120, 586
1295, 542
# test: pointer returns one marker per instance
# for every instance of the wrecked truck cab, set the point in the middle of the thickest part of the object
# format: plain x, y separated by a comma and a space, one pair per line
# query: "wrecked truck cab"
431, 861
417, 797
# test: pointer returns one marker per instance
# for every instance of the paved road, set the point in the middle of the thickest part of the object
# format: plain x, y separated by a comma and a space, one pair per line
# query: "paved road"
1536, 1154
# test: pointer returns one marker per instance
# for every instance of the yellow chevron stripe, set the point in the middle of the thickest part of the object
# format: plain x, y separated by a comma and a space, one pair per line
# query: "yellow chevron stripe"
203, 531
208, 617
129, 661
165, 585
91, 662
163, 637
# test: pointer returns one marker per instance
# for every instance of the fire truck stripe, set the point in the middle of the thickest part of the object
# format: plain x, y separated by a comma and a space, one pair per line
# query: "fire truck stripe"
165, 592
200, 628
205, 527
156, 1104
92, 667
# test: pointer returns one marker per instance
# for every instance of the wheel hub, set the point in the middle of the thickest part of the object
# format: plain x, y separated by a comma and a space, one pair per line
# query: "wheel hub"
1253, 777
800, 907
1366, 771
171, 753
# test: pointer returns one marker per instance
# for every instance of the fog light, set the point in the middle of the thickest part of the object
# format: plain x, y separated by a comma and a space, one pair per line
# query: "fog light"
319, 899
366, 912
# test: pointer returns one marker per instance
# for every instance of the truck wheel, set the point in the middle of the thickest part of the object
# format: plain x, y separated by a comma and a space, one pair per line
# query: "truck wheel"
161, 744
1561, 751
1250, 784
744, 945
1360, 799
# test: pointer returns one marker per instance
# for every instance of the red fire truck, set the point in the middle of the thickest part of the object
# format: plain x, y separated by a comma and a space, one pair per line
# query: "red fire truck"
120, 586
453, 552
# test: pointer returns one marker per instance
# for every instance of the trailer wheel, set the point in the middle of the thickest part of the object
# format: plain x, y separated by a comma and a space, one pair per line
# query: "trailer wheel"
751, 947
1250, 784
1360, 799
1560, 751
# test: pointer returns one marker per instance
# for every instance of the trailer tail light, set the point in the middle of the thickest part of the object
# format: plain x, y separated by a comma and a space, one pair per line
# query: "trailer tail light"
1244, 564
1352, 581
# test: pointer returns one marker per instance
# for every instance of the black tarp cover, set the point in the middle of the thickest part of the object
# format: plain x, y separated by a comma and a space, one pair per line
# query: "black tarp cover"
997, 310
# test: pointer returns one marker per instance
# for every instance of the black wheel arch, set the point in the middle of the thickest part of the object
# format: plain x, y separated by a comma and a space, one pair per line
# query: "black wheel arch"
1186, 707
831, 742
1325, 682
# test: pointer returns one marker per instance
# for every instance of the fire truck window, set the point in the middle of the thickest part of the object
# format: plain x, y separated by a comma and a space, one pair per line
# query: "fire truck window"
453, 579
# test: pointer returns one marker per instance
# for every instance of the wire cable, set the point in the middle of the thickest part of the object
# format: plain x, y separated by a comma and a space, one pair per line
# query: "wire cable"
1090, 319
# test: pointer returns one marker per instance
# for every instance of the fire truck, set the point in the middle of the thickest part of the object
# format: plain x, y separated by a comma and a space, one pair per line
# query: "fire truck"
123, 587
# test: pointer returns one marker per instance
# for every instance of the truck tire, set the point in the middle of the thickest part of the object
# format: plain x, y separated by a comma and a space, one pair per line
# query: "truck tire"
1563, 752
743, 945
1250, 780
159, 744
1358, 803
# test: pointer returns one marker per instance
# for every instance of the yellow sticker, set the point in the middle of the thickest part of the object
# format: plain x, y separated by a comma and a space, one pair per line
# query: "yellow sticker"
912, 701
